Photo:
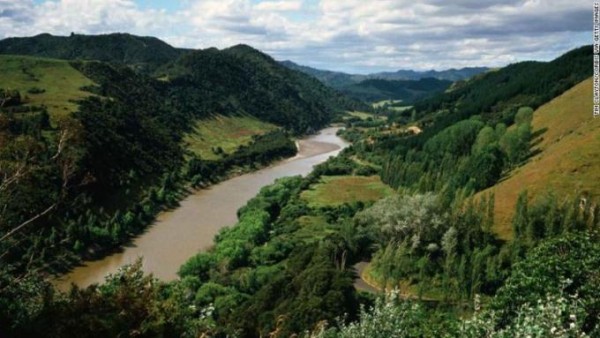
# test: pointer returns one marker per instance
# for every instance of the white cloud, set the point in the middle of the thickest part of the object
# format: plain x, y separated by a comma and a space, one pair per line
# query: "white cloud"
350, 35
278, 6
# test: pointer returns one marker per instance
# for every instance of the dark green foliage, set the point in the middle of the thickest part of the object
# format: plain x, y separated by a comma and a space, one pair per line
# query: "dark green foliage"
243, 80
406, 90
141, 53
259, 281
36, 90
441, 156
566, 264
484, 168
262, 150
521, 84
9, 98
128, 304
336, 166
549, 217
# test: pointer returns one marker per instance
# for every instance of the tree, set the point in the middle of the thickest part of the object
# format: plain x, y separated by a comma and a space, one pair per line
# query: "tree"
485, 138
521, 217
524, 116
417, 219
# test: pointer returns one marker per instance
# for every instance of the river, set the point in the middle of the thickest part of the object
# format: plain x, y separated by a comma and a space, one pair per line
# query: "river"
178, 234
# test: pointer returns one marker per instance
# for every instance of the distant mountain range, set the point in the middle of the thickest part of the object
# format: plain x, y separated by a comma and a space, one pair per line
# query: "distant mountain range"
405, 85
340, 79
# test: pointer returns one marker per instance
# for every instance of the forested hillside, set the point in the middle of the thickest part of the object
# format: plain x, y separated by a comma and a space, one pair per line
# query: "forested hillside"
497, 94
242, 79
142, 53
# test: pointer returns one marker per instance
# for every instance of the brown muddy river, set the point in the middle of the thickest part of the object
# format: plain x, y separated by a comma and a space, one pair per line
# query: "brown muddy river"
180, 233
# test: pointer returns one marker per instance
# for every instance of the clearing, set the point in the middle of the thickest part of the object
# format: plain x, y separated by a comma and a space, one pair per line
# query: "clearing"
225, 132
337, 190
58, 84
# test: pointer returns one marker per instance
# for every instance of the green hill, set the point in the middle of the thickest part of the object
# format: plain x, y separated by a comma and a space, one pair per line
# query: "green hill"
142, 53
567, 156
450, 153
242, 79
497, 94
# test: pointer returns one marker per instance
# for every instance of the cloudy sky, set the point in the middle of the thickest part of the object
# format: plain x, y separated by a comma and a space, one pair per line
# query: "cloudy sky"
349, 35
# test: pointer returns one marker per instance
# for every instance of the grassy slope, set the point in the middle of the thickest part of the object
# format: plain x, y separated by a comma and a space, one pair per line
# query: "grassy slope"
568, 159
227, 132
364, 115
61, 82
336, 190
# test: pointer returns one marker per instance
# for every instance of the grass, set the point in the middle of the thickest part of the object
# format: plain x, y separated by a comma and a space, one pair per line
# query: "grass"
364, 115
313, 229
61, 82
384, 102
337, 190
226, 132
380, 104
361, 115
567, 160
400, 108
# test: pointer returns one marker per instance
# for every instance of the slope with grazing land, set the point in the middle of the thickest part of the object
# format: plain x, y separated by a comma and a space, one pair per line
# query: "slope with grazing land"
497, 95
566, 160
218, 135
54, 84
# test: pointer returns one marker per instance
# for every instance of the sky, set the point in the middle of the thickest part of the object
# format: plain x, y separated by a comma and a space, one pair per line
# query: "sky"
357, 36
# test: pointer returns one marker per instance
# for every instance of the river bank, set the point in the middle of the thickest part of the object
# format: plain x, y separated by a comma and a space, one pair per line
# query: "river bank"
178, 234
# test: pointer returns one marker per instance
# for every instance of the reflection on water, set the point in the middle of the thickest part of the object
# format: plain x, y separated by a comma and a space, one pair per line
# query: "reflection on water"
179, 234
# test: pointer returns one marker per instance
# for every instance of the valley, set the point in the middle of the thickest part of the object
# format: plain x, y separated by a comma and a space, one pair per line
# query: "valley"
154, 191
191, 227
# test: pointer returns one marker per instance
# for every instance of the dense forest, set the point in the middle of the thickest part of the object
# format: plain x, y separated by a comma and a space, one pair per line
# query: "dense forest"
408, 204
